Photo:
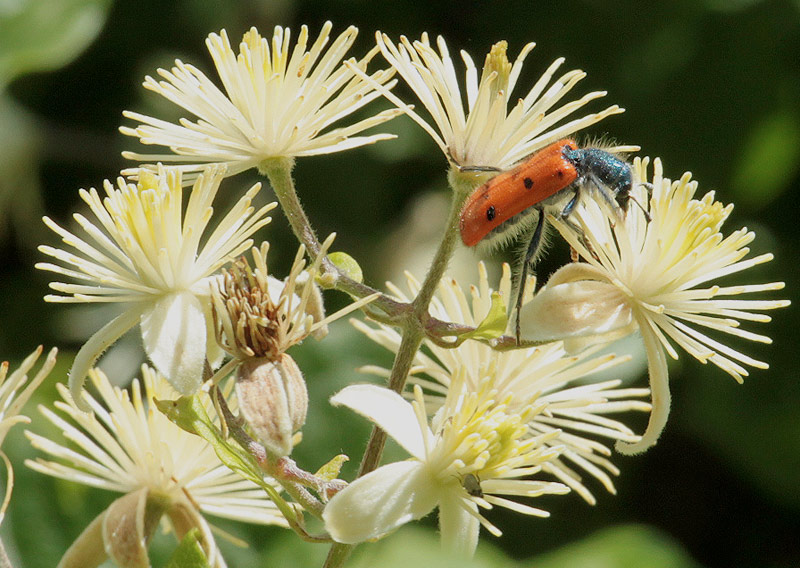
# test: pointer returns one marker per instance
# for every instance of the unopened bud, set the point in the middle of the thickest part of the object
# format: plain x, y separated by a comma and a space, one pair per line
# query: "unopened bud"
273, 400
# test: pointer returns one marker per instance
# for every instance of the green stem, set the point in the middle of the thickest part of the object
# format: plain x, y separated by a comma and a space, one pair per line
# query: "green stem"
445, 251
338, 555
279, 173
412, 338
414, 328
413, 334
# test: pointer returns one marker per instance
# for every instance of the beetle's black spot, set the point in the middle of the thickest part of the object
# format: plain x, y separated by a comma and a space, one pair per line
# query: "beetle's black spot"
490, 213
560, 173
528, 183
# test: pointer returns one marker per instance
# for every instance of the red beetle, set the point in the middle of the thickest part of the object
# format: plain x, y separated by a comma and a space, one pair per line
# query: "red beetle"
551, 180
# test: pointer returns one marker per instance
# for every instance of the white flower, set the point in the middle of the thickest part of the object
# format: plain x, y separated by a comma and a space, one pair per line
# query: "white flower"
486, 132
576, 405
275, 103
144, 251
14, 393
126, 445
663, 273
475, 453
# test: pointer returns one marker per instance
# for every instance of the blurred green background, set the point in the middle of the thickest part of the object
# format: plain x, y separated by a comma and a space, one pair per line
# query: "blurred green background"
710, 86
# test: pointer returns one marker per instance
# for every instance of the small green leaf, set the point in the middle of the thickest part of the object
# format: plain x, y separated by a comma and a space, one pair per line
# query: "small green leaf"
494, 324
188, 413
189, 553
330, 470
347, 264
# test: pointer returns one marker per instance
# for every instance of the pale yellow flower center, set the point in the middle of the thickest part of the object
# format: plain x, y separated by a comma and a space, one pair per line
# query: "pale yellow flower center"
482, 439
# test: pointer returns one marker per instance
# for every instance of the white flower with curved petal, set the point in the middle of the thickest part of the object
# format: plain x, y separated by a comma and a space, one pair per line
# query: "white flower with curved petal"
662, 272
577, 406
474, 453
126, 445
275, 104
491, 128
144, 251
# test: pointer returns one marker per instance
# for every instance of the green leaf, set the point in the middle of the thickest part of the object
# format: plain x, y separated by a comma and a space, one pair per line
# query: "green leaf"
46, 34
494, 324
619, 547
347, 264
188, 413
330, 470
770, 160
189, 553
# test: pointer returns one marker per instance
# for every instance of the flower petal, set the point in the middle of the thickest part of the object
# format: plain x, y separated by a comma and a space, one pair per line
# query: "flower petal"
94, 347
174, 335
124, 531
388, 410
380, 502
575, 309
459, 525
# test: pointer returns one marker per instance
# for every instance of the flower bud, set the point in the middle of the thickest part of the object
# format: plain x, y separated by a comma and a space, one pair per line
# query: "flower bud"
315, 307
273, 400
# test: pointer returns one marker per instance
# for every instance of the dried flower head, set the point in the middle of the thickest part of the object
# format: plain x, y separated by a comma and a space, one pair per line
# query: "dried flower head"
258, 315
258, 318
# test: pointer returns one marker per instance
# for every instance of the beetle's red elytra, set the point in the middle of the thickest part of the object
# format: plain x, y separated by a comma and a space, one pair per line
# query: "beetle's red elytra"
510, 193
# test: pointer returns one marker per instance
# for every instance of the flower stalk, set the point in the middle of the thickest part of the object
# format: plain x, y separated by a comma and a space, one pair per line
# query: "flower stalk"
279, 173
417, 323
415, 326
283, 470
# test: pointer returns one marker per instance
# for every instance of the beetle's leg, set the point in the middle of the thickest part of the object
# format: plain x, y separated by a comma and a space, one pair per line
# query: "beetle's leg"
530, 255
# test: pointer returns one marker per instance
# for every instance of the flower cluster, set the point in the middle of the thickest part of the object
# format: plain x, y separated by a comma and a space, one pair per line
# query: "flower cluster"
277, 103
657, 271
474, 452
488, 133
15, 391
497, 413
575, 409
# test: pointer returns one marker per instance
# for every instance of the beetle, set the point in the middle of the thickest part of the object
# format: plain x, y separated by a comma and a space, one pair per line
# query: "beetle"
551, 180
